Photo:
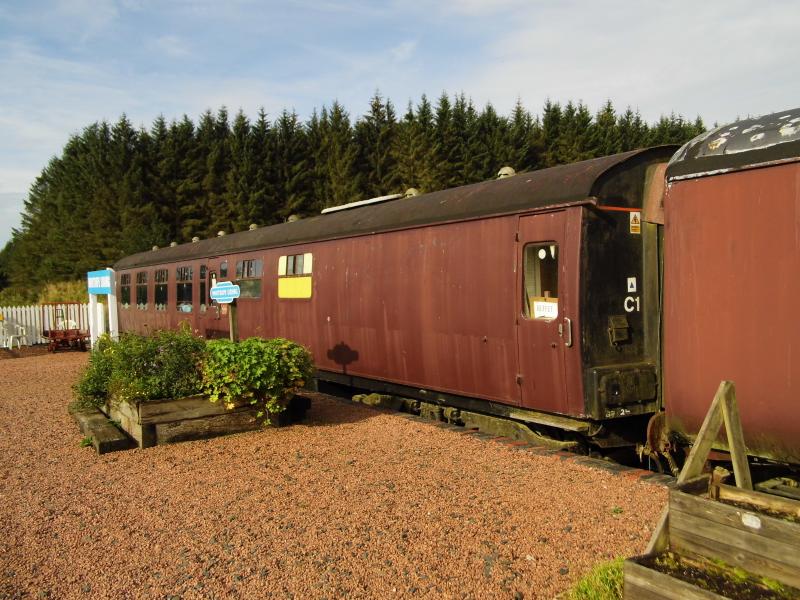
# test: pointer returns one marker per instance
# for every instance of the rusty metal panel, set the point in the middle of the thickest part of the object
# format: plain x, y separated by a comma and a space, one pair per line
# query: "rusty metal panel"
731, 289
431, 307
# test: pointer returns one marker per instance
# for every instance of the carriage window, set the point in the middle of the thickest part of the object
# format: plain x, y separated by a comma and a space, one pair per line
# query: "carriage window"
161, 279
203, 304
183, 289
223, 269
141, 290
296, 264
540, 270
294, 276
125, 290
248, 278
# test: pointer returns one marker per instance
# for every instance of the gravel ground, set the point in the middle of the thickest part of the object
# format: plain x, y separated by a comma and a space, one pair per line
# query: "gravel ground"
353, 503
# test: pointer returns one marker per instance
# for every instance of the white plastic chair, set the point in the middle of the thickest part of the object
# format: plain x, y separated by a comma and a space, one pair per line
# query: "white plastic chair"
18, 337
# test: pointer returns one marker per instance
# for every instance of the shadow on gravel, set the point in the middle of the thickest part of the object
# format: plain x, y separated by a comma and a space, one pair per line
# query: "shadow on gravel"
23, 352
327, 410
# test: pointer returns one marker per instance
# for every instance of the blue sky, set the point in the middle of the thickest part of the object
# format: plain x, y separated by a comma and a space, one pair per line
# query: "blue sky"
67, 63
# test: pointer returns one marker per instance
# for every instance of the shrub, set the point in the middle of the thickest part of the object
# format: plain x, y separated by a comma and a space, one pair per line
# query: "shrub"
163, 365
176, 364
64, 291
604, 582
267, 373
17, 296
91, 389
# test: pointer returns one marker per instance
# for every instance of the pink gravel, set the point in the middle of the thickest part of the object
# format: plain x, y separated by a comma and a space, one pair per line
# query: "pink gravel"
353, 503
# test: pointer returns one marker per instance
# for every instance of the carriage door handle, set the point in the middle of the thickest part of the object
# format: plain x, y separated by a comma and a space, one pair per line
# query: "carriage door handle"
565, 331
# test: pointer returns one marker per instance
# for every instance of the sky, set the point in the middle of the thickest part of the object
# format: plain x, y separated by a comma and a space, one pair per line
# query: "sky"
65, 64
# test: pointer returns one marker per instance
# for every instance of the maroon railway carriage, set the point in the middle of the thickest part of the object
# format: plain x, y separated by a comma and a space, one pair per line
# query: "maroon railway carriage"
732, 280
534, 297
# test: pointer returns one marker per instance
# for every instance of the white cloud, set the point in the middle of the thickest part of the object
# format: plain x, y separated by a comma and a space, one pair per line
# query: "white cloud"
713, 59
171, 45
404, 50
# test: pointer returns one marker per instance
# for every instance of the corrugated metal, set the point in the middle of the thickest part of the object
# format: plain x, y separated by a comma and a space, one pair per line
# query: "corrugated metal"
744, 144
537, 189
731, 289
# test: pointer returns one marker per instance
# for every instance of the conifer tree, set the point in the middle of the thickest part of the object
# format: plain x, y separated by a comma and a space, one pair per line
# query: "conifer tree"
605, 138
415, 148
551, 132
291, 166
340, 156
375, 136
115, 189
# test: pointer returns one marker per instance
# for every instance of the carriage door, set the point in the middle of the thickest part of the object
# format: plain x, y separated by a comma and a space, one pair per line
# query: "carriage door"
545, 329
208, 312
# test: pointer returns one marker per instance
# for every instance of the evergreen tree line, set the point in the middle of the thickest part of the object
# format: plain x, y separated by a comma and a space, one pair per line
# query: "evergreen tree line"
116, 189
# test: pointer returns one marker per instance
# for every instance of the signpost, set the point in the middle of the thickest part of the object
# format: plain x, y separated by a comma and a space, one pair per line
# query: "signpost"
225, 292
102, 282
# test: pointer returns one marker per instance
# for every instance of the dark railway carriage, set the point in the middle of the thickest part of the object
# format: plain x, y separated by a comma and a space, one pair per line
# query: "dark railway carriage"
534, 297
732, 280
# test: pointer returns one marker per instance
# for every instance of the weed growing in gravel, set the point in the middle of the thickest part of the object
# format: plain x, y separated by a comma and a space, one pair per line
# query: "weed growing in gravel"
604, 582
86, 442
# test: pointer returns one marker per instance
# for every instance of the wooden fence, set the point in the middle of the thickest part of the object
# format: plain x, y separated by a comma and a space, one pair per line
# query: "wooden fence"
27, 323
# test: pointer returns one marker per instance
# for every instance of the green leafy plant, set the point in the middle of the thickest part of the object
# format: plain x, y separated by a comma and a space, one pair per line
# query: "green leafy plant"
91, 389
604, 582
163, 365
86, 442
265, 373
176, 364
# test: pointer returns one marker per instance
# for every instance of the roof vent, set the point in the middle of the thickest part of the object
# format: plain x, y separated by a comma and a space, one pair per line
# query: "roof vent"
411, 192
155, 248
220, 233
362, 203
173, 244
253, 227
293, 218
195, 239
506, 172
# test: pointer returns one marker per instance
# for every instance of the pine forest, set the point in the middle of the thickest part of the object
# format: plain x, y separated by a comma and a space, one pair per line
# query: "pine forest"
117, 189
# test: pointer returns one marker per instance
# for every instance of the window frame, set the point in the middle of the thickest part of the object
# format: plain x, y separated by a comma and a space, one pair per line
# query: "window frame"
161, 286
125, 290
543, 296
142, 281
248, 272
184, 278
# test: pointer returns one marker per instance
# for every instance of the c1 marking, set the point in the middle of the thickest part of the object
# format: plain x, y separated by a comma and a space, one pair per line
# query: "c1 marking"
632, 304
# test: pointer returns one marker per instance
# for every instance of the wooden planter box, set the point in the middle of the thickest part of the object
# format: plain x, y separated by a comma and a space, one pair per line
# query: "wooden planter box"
760, 535
157, 422
644, 582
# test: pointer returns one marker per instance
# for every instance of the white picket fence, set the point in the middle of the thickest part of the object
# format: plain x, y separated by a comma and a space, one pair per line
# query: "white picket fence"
24, 325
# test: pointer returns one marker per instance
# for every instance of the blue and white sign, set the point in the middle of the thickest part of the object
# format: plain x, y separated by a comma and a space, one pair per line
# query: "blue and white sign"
225, 292
100, 282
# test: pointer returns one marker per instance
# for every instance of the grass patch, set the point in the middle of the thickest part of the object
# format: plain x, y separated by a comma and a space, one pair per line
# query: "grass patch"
603, 582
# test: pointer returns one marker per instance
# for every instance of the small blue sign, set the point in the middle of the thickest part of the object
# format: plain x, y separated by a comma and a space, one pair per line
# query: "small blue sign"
225, 292
100, 282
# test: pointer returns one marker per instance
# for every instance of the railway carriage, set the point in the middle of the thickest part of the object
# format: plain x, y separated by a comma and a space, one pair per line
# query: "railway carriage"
732, 280
534, 297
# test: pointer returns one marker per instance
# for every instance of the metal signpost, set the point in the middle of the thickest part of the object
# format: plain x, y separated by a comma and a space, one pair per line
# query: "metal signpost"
102, 282
226, 292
